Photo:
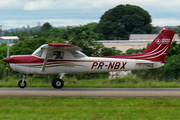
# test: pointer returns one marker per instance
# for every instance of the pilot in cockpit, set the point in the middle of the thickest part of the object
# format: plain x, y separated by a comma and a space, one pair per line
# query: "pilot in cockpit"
57, 55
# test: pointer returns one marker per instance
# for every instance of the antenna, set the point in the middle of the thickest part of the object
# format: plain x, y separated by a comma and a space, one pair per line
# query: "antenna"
69, 40
39, 24
0, 30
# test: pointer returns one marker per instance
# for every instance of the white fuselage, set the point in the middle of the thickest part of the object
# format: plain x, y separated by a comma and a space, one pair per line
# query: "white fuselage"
73, 65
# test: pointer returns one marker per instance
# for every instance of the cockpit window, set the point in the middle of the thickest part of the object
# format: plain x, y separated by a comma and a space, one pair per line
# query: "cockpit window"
56, 54
77, 54
39, 52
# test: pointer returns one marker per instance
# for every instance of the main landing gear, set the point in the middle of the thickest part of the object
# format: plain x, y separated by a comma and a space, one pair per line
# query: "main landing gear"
56, 83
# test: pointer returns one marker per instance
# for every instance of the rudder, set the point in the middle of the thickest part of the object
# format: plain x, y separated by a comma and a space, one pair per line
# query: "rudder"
157, 50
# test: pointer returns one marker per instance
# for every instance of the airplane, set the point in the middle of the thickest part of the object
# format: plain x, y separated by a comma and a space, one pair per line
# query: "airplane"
60, 59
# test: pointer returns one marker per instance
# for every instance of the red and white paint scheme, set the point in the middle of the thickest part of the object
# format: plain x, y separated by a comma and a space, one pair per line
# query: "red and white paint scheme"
71, 61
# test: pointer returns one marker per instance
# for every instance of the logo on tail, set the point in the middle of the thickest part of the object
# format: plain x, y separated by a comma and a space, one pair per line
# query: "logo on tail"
158, 41
157, 50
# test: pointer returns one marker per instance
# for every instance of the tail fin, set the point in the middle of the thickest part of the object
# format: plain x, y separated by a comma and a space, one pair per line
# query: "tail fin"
157, 50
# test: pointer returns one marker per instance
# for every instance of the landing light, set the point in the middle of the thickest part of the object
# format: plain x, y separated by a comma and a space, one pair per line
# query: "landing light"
163, 28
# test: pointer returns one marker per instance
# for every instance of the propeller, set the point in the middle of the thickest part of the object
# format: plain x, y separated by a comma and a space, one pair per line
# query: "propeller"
7, 64
7, 67
7, 60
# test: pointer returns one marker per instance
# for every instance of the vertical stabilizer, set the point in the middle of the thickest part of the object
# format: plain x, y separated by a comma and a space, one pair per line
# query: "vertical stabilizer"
157, 50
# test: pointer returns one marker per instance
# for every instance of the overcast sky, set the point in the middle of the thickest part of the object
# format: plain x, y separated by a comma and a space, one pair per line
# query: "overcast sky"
19, 13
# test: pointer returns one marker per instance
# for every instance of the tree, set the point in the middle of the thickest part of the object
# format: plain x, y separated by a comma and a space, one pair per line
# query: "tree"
110, 51
171, 69
122, 20
46, 26
45, 30
76, 32
174, 49
134, 51
88, 43
58, 32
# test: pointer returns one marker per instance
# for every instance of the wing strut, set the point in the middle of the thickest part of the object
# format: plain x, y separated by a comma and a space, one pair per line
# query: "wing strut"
45, 61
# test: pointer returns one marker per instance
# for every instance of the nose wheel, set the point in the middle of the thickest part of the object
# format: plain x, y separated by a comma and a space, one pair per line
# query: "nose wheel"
22, 83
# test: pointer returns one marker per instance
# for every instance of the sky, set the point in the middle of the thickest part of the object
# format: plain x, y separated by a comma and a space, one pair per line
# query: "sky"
19, 13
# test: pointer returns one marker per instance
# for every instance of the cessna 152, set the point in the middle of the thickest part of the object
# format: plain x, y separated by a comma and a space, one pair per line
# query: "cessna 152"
60, 59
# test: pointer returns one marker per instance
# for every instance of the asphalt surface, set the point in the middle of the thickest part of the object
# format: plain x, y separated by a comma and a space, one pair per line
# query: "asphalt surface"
91, 92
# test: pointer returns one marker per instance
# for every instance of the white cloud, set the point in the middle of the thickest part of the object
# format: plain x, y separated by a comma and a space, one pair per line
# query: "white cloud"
62, 4
32, 11
11, 4
150, 5
79, 4
38, 5
165, 22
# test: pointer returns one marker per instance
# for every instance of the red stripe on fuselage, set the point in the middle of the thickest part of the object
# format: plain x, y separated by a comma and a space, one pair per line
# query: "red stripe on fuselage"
22, 59
26, 59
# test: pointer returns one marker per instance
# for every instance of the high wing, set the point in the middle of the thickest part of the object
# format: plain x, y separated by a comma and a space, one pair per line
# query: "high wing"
58, 46
62, 46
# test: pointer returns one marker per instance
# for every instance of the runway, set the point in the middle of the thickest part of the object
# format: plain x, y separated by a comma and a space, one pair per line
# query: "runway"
91, 92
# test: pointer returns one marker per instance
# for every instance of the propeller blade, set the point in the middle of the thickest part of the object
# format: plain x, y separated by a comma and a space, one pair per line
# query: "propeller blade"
7, 60
7, 72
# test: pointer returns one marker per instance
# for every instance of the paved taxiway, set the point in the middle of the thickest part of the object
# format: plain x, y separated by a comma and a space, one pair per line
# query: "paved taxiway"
92, 92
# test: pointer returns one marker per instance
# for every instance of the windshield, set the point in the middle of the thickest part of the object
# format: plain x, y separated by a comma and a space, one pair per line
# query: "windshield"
38, 52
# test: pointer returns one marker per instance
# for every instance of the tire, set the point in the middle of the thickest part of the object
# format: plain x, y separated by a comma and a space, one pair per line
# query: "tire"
58, 83
21, 84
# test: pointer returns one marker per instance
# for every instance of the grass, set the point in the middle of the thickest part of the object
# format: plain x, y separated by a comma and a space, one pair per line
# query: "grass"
87, 108
84, 108
125, 82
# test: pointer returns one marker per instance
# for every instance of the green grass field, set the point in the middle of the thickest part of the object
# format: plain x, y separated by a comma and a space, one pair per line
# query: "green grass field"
87, 108
125, 82
84, 108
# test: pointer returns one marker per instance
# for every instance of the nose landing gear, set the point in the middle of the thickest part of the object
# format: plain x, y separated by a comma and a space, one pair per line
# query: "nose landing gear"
22, 83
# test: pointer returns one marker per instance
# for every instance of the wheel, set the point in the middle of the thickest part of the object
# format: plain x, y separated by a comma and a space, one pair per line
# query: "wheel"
57, 83
22, 84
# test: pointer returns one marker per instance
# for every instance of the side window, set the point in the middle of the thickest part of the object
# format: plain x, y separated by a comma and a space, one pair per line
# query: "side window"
56, 54
77, 54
